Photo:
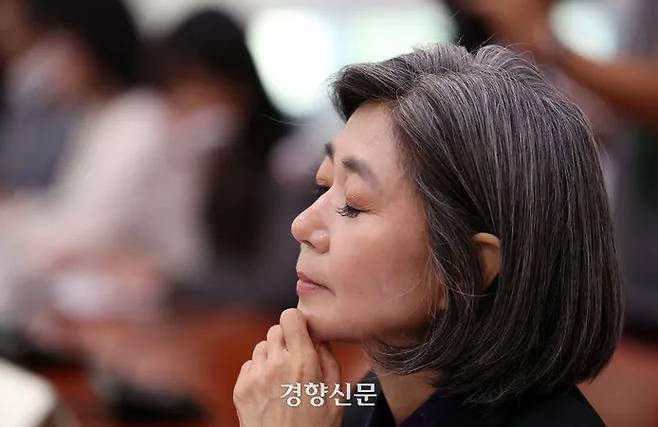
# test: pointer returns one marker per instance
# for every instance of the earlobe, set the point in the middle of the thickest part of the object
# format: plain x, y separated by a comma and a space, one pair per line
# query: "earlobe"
490, 256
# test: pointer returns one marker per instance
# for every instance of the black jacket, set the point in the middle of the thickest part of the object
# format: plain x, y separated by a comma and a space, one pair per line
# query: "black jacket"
567, 409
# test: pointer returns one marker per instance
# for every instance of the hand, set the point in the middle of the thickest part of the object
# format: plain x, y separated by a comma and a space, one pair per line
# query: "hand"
288, 356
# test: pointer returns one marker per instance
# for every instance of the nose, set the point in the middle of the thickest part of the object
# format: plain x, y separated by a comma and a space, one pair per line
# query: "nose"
309, 229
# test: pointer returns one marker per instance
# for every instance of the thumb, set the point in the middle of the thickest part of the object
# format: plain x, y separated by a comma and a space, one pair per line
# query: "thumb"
328, 364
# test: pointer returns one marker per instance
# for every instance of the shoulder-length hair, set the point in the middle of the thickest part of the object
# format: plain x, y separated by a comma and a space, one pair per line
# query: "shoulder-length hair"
493, 147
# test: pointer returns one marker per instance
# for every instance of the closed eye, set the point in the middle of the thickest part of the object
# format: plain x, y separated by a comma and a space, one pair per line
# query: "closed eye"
349, 211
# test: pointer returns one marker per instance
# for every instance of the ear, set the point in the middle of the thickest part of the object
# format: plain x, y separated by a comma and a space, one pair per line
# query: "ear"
490, 256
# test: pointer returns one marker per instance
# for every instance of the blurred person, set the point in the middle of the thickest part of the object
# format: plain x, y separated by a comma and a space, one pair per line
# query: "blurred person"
462, 236
34, 126
210, 225
224, 131
98, 190
474, 31
629, 84
213, 225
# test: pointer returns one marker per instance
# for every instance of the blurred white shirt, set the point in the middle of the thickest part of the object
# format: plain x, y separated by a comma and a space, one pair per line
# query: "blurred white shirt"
133, 178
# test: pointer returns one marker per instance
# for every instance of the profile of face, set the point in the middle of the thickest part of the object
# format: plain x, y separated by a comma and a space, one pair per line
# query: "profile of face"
364, 245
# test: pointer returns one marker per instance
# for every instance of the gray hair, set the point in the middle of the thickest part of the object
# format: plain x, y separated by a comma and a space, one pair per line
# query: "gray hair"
493, 147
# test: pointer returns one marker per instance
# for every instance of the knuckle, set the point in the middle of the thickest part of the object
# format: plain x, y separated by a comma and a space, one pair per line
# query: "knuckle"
279, 364
263, 381
307, 367
240, 391
238, 394
308, 371
240, 397
310, 357
280, 367
276, 362
268, 377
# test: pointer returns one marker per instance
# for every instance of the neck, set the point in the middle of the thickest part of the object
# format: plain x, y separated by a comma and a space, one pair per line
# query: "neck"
405, 393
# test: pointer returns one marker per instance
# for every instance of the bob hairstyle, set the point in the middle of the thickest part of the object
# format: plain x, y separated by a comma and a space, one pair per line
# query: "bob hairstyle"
493, 147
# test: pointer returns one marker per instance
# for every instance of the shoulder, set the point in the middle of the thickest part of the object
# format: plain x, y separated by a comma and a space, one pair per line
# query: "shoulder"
136, 118
569, 409
134, 108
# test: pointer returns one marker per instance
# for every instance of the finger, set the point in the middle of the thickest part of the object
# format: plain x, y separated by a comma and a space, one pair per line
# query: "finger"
241, 384
259, 354
275, 342
295, 332
244, 372
329, 364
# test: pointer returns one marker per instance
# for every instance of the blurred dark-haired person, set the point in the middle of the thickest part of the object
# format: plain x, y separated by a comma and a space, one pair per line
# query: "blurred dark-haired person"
462, 235
35, 125
100, 184
213, 227
224, 122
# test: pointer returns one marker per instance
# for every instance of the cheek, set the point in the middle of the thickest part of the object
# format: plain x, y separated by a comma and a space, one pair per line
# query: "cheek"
375, 263
378, 281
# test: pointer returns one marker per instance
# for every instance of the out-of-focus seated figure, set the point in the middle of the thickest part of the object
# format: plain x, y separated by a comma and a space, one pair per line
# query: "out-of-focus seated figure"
218, 159
213, 229
174, 188
196, 212
35, 125
99, 186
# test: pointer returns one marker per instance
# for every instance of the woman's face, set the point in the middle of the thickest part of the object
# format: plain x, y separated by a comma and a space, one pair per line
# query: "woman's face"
364, 240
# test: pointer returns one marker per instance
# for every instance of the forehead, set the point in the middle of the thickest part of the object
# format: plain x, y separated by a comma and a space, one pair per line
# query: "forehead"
369, 135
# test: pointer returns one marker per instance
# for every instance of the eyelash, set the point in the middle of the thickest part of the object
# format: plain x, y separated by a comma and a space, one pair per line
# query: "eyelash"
347, 210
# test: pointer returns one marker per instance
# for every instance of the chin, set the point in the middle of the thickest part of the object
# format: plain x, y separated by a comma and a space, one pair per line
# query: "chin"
323, 326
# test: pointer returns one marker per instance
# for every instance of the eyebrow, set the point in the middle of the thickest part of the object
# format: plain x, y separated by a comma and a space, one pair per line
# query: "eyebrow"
355, 165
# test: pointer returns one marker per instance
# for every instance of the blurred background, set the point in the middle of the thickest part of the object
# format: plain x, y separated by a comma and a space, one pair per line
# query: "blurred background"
153, 154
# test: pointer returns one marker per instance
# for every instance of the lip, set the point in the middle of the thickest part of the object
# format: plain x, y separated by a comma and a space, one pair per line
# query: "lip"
307, 285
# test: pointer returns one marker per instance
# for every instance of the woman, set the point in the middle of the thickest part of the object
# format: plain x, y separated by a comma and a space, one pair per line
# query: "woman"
98, 187
462, 235
224, 129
